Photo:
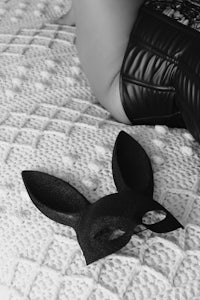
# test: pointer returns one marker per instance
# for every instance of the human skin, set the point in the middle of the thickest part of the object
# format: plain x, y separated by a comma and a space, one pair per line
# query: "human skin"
103, 28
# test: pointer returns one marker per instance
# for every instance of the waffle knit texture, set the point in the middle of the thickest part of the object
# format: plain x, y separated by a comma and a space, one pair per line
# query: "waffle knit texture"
50, 121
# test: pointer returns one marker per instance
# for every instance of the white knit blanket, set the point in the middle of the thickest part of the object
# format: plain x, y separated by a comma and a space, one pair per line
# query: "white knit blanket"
51, 122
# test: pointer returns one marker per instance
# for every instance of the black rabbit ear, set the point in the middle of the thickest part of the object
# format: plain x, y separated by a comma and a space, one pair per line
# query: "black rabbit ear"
131, 166
54, 197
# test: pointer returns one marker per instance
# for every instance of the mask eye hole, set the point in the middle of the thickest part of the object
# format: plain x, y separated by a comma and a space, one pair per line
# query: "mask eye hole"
116, 234
153, 217
109, 234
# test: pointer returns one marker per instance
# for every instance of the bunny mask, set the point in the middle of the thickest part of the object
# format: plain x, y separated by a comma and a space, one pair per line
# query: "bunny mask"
121, 212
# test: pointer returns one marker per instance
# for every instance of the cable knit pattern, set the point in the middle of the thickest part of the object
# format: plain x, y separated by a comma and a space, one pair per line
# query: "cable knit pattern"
50, 121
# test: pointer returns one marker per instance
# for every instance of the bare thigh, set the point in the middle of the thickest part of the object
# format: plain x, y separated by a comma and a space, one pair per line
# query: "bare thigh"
103, 29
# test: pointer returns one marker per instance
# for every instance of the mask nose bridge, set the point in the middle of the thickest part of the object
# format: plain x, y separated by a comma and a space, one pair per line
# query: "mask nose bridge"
94, 237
